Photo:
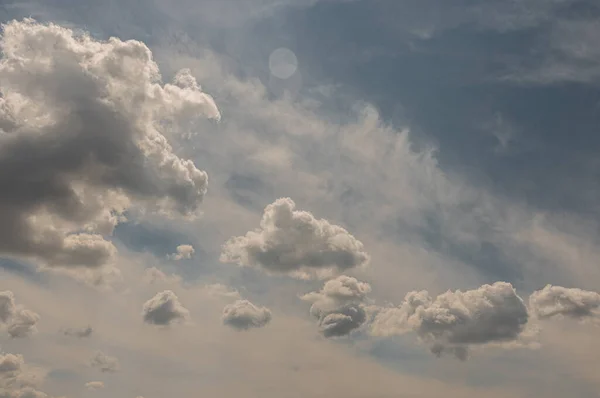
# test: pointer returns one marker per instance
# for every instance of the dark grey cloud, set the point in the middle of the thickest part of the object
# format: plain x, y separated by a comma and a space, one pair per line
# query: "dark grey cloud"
558, 301
104, 363
81, 142
244, 315
163, 309
453, 321
339, 306
295, 242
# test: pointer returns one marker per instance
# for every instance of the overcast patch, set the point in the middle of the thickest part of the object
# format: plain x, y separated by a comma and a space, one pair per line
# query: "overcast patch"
164, 309
453, 321
558, 301
339, 306
244, 315
295, 242
84, 126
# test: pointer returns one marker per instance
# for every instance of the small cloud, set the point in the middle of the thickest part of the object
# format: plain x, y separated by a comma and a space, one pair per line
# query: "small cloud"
339, 306
183, 252
163, 309
294, 242
105, 363
78, 332
94, 385
243, 315
453, 321
23, 324
558, 301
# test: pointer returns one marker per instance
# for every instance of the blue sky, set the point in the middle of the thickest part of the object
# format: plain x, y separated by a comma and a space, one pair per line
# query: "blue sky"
438, 146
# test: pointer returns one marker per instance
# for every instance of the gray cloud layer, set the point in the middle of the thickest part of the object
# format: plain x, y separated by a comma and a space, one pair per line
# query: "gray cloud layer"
339, 306
82, 139
244, 315
163, 309
452, 321
558, 301
295, 242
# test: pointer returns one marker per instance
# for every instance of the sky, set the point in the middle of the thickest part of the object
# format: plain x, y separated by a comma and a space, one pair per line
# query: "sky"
299, 198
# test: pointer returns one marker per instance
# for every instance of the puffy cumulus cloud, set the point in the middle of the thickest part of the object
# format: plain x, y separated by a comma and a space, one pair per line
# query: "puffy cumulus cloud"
16, 379
295, 242
105, 363
94, 385
244, 315
340, 305
10, 365
183, 252
78, 332
7, 305
19, 322
83, 138
453, 321
23, 323
558, 301
163, 309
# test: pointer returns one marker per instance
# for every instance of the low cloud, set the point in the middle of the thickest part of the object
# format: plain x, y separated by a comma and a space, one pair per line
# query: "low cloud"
7, 306
184, 252
105, 363
453, 321
94, 385
83, 138
19, 322
23, 323
558, 301
296, 243
78, 332
164, 309
339, 306
244, 315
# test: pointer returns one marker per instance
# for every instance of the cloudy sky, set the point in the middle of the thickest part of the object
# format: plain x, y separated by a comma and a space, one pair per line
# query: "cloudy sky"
299, 198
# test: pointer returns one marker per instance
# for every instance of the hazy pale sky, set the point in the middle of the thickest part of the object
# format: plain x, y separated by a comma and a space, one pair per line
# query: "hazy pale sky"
299, 198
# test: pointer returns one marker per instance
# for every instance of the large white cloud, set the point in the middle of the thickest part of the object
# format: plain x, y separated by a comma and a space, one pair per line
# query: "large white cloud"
83, 127
453, 321
295, 242
244, 315
340, 305
163, 309
558, 301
